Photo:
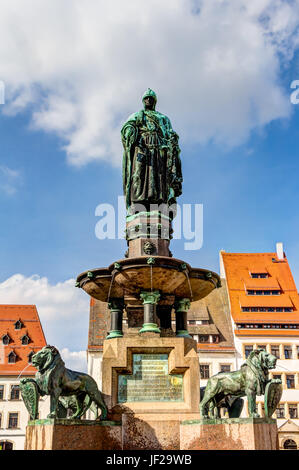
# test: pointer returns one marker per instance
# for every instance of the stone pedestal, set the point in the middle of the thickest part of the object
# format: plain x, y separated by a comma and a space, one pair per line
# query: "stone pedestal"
63, 434
151, 383
229, 434
178, 394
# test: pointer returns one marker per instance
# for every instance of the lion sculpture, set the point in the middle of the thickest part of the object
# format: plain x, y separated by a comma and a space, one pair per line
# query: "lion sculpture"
226, 388
65, 387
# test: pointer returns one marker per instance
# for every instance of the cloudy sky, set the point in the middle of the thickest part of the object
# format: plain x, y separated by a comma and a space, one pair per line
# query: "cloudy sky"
73, 71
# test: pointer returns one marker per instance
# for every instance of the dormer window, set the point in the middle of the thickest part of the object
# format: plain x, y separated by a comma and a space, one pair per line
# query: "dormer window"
30, 355
12, 357
18, 325
25, 339
259, 275
6, 339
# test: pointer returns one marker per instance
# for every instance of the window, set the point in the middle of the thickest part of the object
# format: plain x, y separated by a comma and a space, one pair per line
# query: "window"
6, 445
13, 419
30, 357
18, 325
290, 381
12, 358
1, 392
204, 371
225, 368
204, 338
250, 292
5, 339
275, 351
261, 346
288, 352
280, 411
290, 445
215, 338
25, 339
192, 322
293, 411
15, 392
248, 350
277, 376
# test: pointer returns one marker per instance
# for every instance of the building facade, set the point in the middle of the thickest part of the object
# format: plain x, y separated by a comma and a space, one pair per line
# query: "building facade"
21, 336
264, 305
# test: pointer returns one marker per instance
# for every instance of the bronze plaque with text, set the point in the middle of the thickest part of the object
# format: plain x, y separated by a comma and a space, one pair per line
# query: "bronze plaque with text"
150, 381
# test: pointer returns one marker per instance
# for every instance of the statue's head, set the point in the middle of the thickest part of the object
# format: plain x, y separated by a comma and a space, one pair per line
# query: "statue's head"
43, 358
149, 99
262, 358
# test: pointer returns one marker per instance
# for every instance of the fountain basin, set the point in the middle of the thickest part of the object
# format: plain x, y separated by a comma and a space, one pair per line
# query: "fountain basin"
130, 276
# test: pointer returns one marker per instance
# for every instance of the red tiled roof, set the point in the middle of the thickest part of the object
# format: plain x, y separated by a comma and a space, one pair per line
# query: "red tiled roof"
282, 300
9, 315
266, 332
238, 267
269, 283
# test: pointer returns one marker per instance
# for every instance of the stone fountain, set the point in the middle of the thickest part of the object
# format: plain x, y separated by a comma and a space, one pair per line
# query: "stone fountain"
150, 374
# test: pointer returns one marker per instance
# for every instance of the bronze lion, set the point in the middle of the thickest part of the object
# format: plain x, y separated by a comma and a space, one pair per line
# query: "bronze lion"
225, 388
63, 385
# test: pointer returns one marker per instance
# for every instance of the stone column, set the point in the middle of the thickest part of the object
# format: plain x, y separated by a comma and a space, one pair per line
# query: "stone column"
116, 307
150, 300
181, 307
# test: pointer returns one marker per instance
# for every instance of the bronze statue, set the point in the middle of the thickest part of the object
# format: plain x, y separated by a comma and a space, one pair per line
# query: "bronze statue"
251, 380
67, 388
151, 161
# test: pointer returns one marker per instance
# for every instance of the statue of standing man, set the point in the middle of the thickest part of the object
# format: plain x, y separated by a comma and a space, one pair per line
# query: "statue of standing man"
151, 161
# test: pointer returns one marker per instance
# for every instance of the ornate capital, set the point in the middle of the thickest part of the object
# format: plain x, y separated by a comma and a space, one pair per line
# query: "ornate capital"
182, 305
150, 297
116, 304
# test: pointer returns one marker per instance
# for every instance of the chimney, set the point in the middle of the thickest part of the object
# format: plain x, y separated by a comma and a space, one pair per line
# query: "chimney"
222, 269
279, 251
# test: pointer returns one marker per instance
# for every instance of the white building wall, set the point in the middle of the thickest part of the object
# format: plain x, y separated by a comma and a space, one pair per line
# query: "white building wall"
94, 368
283, 367
17, 436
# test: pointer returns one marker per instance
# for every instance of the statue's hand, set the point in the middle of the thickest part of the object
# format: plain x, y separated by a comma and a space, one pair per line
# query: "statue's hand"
276, 381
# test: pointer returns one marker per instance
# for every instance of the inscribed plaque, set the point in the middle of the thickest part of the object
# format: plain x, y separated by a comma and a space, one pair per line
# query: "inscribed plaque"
150, 381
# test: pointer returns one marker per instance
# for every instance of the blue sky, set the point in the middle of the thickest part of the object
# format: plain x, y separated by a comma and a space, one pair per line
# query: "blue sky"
61, 152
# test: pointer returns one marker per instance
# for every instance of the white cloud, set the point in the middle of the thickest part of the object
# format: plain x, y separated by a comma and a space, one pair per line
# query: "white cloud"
9, 180
74, 360
81, 67
63, 309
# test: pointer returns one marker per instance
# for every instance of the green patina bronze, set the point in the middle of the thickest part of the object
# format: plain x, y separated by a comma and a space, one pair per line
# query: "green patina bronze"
151, 161
226, 388
67, 389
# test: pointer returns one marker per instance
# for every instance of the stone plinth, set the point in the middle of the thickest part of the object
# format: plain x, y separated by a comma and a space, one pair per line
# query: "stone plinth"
229, 434
63, 434
119, 360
